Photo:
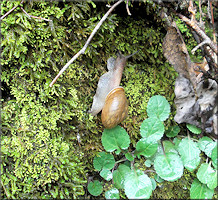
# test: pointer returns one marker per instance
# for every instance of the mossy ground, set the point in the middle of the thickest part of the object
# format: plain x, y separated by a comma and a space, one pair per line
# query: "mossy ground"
49, 139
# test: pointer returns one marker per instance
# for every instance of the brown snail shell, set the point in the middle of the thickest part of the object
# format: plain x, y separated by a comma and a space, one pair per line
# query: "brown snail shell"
115, 109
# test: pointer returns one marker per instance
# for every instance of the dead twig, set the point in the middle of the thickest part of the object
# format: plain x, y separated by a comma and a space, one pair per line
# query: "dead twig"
127, 7
10, 11
31, 16
200, 32
82, 51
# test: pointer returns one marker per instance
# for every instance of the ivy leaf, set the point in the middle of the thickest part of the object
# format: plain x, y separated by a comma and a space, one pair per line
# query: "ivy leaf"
204, 172
200, 191
119, 175
158, 178
148, 163
152, 129
103, 161
169, 167
212, 180
137, 185
214, 157
158, 107
106, 174
172, 131
193, 128
115, 138
146, 149
189, 152
112, 194
95, 188
169, 147
129, 156
206, 145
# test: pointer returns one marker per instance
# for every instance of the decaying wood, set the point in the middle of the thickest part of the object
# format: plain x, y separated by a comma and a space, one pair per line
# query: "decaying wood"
196, 94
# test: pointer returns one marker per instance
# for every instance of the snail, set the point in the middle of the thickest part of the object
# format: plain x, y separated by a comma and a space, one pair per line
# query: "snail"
109, 96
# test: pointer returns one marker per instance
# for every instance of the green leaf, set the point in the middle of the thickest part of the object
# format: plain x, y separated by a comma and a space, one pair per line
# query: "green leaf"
152, 129
203, 172
200, 191
158, 178
193, 129
137, 185
212, 180
176, 141
172, 131
103, 161
106, 174
95, 188
112, 194
206, 145
189, 152
146, 149
115, 138
129, 156
169, 147
148, 163
154, 184
169, 167
214, 157
119, 175
158, 107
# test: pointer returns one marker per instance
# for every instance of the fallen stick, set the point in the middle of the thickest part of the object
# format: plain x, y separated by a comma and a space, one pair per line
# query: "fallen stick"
82, 51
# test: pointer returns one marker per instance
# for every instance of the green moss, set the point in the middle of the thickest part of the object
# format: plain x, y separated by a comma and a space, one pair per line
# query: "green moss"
49, 139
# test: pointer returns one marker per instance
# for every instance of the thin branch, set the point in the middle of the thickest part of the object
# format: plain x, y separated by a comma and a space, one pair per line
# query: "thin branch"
127, 7
82, 51
201, 33
199, 45
31, 16
6, 14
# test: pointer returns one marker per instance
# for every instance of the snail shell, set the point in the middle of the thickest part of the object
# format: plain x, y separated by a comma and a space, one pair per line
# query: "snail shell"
115, 109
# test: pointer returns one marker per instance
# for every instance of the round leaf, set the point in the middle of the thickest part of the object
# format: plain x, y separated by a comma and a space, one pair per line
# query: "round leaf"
189, 152
152, 129
193, 129
206, 145
204, 172
95, 188
106, 174
148, 163
169, 147
214, 157
129, 156
137, 185
200, 191
146, 149
158, 107
112, 194
103, 161
115, 138
172, 131
119, 175
169, 167
212, 180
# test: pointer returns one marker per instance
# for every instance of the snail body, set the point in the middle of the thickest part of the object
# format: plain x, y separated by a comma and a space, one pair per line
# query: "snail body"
109, 96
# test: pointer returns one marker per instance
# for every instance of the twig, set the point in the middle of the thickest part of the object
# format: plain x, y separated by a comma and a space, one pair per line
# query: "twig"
82, 51
127, 7
199, 45
7, 13
31, 16
201, 33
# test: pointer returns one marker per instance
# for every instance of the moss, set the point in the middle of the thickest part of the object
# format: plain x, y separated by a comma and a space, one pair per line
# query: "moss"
49, 140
